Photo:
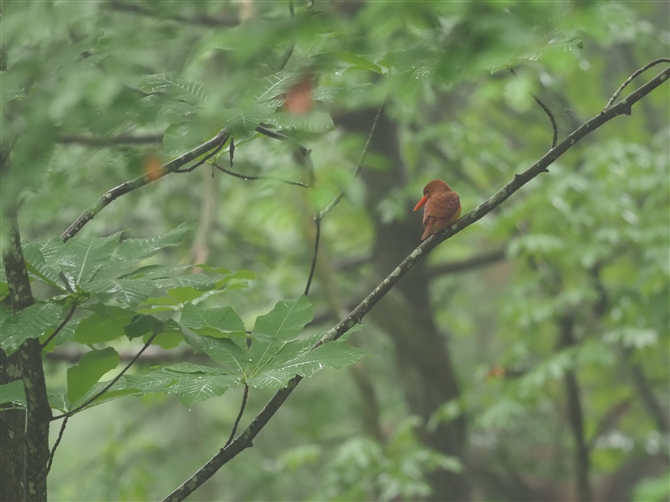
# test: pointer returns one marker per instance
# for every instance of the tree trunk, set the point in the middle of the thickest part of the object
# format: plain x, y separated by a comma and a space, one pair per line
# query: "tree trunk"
406, 314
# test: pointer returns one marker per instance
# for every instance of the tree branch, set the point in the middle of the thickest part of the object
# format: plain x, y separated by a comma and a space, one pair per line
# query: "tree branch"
245, 440
635, 74
140, 181
38, 411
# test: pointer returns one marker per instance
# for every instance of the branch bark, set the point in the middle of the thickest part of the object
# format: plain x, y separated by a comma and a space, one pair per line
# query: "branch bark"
38, 411
245, 440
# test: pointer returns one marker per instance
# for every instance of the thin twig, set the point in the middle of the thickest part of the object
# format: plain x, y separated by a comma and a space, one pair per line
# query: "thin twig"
546, 110
247, 177
58, 440
303, 150
124, 188
317, 220
60, 326
288, 52
245, 439
239, 416
358, 169
635, 74
110, 384
201, 161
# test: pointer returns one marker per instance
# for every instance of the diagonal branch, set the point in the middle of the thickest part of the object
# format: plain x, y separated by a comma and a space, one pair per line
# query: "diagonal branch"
245, 440
140, 181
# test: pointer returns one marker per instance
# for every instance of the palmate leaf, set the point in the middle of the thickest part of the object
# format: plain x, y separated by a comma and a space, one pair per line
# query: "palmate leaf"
81, 258
222, 319
127, 292
330, 355
286, 319
174, 86
31, 322
222, 350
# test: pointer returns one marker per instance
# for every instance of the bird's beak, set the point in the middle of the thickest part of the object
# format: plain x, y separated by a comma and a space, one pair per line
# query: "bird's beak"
421, 202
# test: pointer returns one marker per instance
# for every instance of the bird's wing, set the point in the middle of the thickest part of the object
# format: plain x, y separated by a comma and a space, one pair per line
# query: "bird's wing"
442, 205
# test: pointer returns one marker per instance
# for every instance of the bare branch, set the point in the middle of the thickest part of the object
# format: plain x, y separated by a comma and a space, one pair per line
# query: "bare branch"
140, 181
239, 415
60, 326
317, 237
635, 74
245, 440
248, 177
546, 110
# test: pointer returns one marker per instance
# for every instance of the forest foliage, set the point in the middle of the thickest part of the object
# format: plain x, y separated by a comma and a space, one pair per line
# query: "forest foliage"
526, 358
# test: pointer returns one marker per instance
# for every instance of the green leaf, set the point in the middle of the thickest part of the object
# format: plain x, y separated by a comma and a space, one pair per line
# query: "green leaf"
174, 86
89, 369
286, 319
37, 265
222, 350
81, 258
142, 324
128, 292
31, 322
106, 324
222, 319
333, 355
357, 61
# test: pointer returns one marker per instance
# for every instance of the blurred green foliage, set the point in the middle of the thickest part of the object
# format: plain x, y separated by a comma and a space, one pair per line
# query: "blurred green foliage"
586, 245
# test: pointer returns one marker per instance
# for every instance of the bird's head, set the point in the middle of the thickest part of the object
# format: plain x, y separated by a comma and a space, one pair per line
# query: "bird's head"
430, 189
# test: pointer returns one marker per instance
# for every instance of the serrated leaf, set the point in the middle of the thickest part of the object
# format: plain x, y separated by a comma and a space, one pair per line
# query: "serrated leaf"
31, 322
89, 369
131, 251
174, 86
222, 350
241, 122
81, 258
196, 281
222, 319
106, 324
275, 85
286, 319
127, 292
333, 355
37, 265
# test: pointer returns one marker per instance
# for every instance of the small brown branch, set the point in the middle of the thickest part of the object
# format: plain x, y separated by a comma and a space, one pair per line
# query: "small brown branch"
61, 432
455, 267
317, 237
140, 181
123, 139
248, 177
635, 74
60, 326
239, 415
245, 440
547, 111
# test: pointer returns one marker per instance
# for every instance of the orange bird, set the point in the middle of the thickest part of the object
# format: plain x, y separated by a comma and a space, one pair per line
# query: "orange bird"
442, 207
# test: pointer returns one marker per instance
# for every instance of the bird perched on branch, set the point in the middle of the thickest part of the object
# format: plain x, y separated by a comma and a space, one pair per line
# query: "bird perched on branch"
442, 207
